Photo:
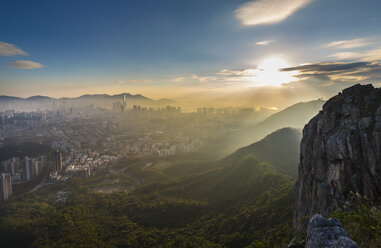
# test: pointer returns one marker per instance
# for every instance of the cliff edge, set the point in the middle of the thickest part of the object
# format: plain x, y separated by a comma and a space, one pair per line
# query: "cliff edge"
340, 154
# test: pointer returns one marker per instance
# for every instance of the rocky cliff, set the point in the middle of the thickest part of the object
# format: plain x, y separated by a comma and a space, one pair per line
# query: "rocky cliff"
340, 154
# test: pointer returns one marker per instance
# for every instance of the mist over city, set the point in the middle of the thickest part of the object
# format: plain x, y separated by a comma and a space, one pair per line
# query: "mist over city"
219, 123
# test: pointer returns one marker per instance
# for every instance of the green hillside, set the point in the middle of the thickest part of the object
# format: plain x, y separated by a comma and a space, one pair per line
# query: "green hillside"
232, 206
280, 148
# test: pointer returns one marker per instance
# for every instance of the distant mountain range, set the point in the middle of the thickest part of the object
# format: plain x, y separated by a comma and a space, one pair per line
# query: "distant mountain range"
97, 100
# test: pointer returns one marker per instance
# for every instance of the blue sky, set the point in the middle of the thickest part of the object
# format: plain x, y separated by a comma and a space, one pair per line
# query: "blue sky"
161, 48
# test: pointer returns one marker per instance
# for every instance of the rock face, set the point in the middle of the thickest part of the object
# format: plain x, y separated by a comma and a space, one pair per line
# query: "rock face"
340, 154
323, 233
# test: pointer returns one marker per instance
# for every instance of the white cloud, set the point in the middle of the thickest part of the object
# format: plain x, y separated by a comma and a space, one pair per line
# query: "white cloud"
133, 81
178, 79
373, 54
240, 73
25, 64
348, 44
264, 42
369, 55
7, 49
268, 11
346, 55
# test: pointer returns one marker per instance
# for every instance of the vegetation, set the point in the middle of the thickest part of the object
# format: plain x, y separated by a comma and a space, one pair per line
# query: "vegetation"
239, 201
244, 205
362, 220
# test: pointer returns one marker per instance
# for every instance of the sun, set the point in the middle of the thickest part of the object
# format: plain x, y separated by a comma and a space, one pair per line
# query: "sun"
268, 73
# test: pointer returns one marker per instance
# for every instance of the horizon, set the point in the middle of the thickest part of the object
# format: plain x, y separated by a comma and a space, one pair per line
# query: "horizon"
186, 108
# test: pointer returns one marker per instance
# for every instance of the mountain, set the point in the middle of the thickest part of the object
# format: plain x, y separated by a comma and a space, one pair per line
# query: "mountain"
39, 98
115, 97
95, 100
280, 148
295, 116
166, 101
340, 155
30, 103
244, 201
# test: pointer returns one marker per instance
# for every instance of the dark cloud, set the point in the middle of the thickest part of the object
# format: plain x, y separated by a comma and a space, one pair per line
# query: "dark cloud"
332, 67
339, 71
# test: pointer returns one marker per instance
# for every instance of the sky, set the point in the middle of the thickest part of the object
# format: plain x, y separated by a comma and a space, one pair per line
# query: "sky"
239, 52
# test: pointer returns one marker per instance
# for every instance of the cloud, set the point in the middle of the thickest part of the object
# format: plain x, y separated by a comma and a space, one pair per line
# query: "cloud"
133, 81
25, 64
369, 55
263, 12
330, 67
251, 77
7, 49
339, 72
264, 42
327, 77
374, 54
346, 55
178, 79
349, 44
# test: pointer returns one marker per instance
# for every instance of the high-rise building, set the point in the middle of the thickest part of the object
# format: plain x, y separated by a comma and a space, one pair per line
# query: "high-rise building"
57, 161
13, 168
27, 169
5, 186
36, 167
124, 104
120, 106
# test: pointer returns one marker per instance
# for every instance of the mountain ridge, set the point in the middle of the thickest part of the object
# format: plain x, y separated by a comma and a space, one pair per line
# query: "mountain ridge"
227, 143
81, 96
97, 100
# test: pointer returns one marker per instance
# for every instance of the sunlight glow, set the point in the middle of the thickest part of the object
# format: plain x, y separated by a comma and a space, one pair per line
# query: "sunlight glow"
268, 73
272, 108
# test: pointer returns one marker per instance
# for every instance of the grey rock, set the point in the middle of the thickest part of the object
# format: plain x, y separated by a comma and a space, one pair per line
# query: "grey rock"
340, 154
327, 233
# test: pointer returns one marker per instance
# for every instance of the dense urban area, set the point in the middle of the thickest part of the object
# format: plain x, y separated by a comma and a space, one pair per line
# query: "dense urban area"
75, 141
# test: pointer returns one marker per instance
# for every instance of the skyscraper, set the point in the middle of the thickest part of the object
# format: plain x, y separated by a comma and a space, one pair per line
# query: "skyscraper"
57, 161
124, 103
5, 186
36, 167
27, 169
